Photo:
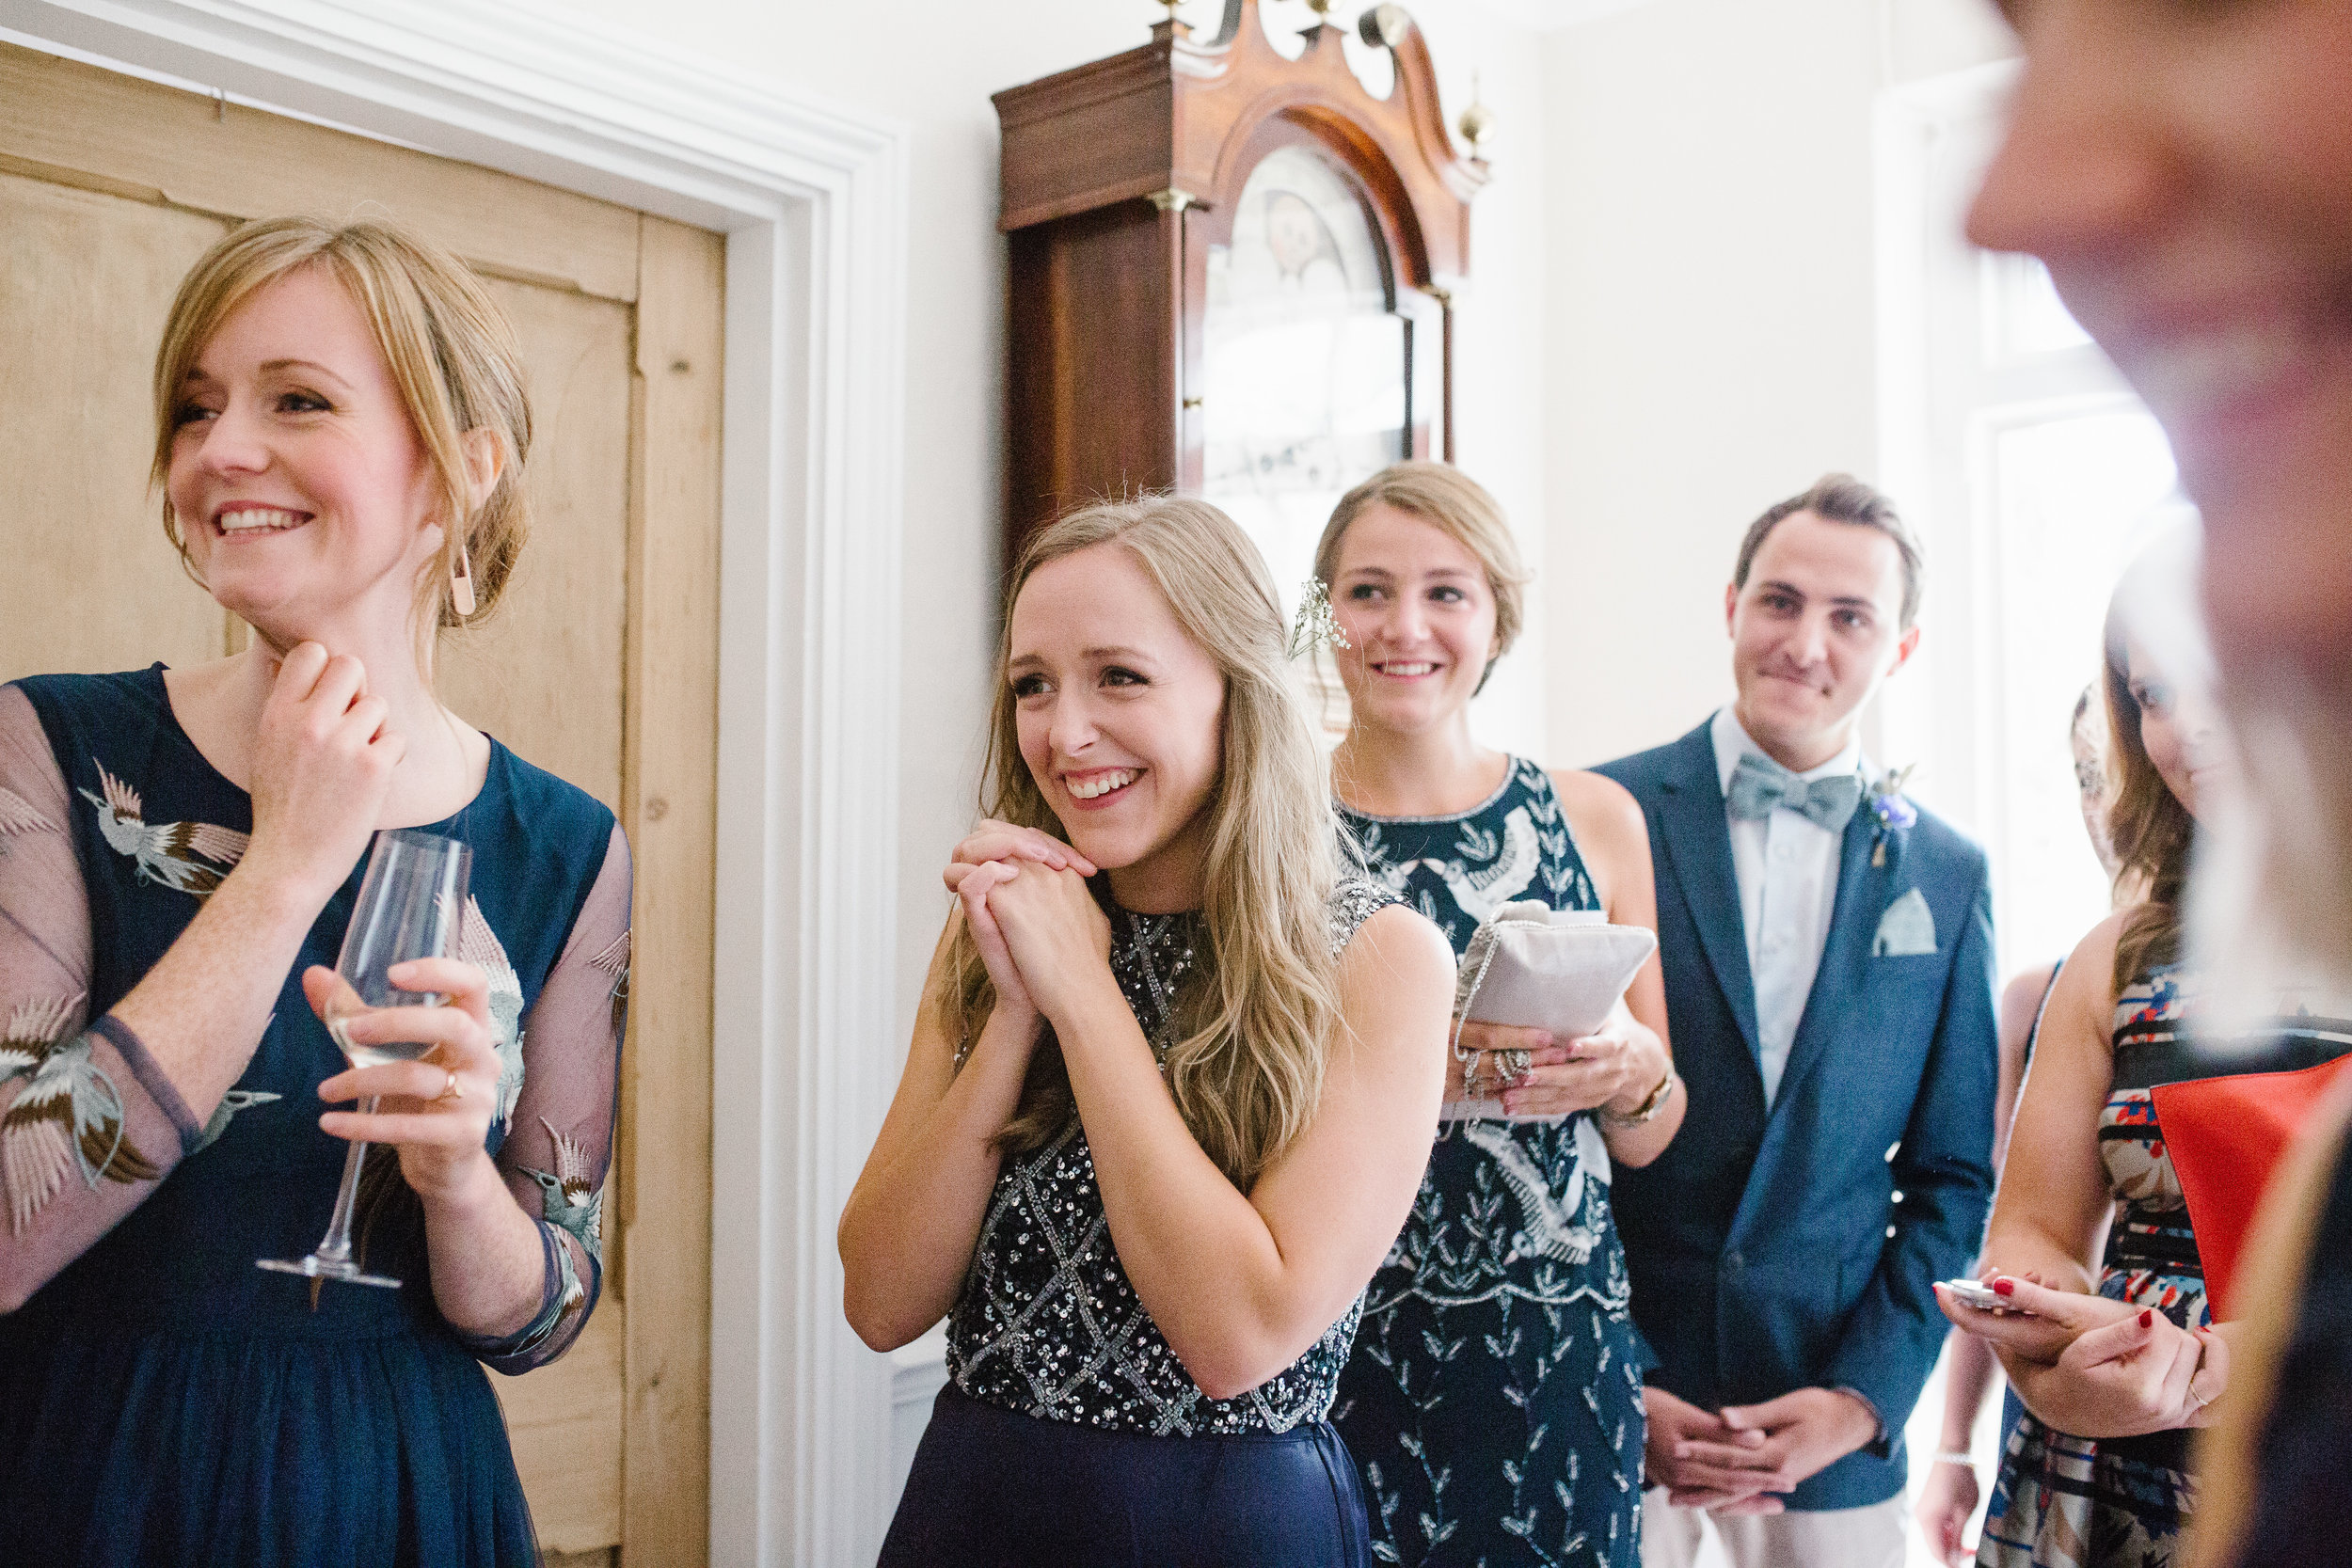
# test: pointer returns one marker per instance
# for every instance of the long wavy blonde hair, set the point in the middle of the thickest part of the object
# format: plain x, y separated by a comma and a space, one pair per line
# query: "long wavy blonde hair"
1255, 1024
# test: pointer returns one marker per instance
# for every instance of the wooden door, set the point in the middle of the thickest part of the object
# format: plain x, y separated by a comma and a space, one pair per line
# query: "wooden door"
600, 664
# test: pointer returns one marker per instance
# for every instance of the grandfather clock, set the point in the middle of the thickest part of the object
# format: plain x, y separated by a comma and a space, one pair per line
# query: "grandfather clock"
1232, 276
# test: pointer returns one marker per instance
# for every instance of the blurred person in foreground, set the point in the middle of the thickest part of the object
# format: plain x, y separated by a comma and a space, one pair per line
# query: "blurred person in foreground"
2186, 174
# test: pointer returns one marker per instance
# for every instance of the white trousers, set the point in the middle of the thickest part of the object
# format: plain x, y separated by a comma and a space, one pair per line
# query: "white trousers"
1871, 1537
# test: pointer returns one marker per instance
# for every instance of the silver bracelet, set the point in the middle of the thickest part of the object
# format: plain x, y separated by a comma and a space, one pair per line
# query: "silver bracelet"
1967, 1461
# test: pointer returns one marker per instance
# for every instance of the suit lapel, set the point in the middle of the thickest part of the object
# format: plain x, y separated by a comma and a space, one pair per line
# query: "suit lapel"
1862, 897
1698, 844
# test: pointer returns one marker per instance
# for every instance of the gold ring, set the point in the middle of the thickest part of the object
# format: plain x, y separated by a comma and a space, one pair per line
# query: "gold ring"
454, 1091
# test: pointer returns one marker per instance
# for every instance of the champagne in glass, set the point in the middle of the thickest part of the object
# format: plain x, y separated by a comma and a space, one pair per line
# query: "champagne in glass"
411, 904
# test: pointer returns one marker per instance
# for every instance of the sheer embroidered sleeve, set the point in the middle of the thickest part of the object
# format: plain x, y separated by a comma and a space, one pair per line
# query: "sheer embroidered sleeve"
560, 1147
89, 1125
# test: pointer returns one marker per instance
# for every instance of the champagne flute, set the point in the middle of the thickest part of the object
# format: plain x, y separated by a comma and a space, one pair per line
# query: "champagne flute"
411, 905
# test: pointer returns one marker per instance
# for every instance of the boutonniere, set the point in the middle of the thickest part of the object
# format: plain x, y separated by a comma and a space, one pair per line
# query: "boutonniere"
1893, 815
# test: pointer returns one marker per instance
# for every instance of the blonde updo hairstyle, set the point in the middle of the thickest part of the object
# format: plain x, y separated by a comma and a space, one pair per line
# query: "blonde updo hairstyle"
1457, 506
1254, 1025
453, 354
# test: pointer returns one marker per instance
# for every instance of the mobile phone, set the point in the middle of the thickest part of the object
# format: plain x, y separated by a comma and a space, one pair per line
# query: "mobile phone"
1976, 1295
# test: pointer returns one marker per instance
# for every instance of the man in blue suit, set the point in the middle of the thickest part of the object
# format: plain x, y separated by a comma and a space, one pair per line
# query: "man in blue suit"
1828, 953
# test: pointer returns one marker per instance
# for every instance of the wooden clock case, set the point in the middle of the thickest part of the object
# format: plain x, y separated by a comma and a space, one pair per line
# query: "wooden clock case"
1119, 177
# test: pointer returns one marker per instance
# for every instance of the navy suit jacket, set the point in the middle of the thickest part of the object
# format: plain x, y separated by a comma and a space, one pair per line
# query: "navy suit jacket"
1794, 1246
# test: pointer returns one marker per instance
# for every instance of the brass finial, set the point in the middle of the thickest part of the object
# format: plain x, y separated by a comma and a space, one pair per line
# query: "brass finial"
1477, 123
1321, 8
1384, 27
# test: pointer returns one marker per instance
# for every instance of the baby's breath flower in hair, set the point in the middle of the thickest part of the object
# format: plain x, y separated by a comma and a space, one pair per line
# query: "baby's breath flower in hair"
1314, 627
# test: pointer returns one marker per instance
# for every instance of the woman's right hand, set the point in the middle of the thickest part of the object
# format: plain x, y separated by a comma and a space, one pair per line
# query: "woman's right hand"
323, 764
2096, 1367
2035, 1322
1485, 1041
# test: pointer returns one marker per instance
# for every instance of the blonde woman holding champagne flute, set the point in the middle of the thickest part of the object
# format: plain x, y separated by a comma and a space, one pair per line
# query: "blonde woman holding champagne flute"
340, 433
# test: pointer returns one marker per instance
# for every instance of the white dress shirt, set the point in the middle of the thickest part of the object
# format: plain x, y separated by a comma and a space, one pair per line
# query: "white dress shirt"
1788, 868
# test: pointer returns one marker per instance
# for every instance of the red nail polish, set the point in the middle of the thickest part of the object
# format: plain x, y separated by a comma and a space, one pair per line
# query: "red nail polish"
2005, 1286
2147, 1316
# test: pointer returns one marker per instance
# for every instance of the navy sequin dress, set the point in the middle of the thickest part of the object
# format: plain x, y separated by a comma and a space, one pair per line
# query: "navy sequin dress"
1494, 1399
161, 1399
1069, 1432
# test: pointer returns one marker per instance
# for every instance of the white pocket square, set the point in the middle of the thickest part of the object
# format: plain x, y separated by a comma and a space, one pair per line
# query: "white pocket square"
1906, 927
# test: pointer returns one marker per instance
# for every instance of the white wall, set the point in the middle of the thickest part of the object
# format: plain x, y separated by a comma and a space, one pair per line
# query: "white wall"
1712, 340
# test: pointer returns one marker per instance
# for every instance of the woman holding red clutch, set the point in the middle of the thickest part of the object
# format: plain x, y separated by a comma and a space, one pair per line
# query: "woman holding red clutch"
2116, 1362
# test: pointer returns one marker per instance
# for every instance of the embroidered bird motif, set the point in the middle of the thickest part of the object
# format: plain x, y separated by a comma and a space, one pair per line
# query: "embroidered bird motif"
1550, 1230
568, 1203
614, 960
1516, 859
168, 852
478, 944
32, 1027
230, 1103
69, 1114
571, 1293
20, 815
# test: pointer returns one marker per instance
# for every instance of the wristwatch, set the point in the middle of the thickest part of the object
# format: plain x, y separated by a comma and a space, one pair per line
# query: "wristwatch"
1647, 1109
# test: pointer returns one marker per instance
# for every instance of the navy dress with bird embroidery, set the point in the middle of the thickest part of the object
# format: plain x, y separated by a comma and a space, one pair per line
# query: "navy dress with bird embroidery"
161, 1399
1494, 1399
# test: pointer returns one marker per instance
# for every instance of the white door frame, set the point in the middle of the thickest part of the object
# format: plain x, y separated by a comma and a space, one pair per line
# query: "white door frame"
812, 199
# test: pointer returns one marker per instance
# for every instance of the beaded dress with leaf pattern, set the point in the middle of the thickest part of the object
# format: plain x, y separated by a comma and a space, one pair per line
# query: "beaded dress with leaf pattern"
1494, 1399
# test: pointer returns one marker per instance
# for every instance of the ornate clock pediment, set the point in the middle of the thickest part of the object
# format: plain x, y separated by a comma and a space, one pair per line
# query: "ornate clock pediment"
1230, 274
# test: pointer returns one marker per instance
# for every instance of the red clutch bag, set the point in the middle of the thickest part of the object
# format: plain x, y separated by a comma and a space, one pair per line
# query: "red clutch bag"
2226, 1136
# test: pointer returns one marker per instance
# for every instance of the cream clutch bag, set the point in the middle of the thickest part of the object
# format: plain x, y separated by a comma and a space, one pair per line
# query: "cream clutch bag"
1541, 968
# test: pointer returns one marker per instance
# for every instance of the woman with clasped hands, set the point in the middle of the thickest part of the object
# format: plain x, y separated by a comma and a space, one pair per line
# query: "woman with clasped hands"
1171, 1085
340, 433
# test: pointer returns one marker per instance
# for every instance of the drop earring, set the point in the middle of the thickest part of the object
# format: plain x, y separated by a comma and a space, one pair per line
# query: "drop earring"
461, 583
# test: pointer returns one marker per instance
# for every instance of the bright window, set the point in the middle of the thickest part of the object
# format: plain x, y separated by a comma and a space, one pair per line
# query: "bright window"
2035, 475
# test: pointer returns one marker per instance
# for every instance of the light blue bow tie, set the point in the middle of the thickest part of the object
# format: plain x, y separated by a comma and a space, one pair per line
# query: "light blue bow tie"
1759, 784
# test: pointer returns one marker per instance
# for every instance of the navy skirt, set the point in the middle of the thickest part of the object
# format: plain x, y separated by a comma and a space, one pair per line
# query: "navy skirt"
993, 1489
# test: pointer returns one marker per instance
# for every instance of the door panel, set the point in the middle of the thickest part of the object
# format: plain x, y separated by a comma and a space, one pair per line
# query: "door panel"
600, 663
85, 283
544, 673
152, 144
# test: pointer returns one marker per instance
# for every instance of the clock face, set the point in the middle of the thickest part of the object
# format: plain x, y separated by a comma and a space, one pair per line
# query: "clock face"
1304, 366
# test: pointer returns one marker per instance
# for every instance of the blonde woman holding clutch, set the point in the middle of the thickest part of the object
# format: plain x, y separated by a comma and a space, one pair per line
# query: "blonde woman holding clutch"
1494, 1401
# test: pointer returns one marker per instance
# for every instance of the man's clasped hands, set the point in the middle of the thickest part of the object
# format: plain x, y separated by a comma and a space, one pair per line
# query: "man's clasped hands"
2085, 1364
